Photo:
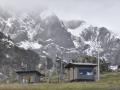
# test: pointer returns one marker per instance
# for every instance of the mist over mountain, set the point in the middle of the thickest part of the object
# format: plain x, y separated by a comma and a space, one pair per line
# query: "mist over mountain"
38, 35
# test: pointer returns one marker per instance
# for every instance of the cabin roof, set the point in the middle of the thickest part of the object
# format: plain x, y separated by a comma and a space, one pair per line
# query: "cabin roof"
69, 65
29, 72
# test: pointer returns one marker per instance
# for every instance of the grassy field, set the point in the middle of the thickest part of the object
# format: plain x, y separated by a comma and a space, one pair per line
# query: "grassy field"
109, 81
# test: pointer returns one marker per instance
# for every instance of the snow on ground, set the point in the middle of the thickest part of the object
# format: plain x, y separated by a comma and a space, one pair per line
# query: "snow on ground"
76, 44
31, 33
94, 46
48, 40
9, 41
29, 45
10, 21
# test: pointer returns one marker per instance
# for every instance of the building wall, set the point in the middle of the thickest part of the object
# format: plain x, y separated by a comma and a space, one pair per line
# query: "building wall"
73, 73
28, 78
37, 78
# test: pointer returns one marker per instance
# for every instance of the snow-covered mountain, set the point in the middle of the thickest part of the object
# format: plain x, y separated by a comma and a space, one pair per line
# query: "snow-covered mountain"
44, 34
47, 35
93, 40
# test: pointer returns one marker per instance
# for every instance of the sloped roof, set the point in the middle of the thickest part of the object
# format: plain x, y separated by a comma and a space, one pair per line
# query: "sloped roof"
80, 64
29, 72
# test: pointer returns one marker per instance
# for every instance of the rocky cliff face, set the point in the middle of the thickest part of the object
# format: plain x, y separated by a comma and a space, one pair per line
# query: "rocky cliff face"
46, 27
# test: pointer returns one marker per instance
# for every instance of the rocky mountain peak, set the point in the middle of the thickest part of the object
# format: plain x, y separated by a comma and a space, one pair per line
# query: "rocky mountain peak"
46, 32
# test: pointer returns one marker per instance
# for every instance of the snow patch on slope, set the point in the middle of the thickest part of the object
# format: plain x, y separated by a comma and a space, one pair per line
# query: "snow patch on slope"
8, 41
29, 45
77, 31
94, 47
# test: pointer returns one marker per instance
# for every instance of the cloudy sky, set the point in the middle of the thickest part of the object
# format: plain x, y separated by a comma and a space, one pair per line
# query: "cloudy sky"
96, 12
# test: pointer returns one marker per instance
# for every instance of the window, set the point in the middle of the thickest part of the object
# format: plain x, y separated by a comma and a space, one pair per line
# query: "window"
86, 71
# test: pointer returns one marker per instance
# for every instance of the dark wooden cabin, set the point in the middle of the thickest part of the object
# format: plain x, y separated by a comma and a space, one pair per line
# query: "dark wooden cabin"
29, 76
81, 71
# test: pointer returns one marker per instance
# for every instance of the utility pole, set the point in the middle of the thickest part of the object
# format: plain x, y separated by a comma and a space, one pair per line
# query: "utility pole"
60, 71
98, 69
46, 70
58, 67
61, 66
98, 60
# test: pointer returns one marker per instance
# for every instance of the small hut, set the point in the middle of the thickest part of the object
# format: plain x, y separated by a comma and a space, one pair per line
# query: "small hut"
81, 71
29, 76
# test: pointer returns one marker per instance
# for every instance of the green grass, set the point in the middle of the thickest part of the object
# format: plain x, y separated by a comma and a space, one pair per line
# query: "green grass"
109, 81
63, 86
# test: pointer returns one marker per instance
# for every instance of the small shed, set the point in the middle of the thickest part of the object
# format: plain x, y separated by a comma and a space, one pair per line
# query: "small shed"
29, 76
81, 71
